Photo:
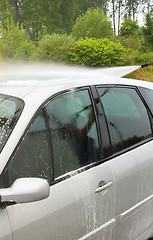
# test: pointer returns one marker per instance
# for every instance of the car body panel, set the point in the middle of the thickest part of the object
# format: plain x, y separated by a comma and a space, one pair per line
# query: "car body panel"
144, 158
126, 173
111, 200
73, 209
6, 231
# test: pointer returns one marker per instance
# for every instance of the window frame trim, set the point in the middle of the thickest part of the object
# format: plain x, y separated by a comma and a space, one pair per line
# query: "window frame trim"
147, 105
102, 122
144, 99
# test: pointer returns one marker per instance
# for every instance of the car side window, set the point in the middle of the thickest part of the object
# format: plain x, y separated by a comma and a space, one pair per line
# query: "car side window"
32, 158
127, 117
73, 132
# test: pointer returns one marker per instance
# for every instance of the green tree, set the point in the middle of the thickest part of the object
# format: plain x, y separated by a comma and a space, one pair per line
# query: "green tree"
148, 30
130, 8
86, 4
148, 5
129, 28
14, 41
68, 11
56, 16
93, 24
36, 14
6, 11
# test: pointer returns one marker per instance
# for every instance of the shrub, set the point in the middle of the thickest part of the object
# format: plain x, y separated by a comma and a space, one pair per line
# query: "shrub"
130, 57
12, 40
144, 58
53, 48
24, 51
130, 42
137, 58
97, 52
93, 24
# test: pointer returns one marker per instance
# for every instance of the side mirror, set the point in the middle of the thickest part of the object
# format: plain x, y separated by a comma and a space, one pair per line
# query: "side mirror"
25, 190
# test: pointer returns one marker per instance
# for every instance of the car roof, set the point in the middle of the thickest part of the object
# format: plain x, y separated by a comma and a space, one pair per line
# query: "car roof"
32, 80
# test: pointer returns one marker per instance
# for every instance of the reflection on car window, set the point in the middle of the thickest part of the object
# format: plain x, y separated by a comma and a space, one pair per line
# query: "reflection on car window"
126, 115
73, 132
32, 158
10, 109
148, 94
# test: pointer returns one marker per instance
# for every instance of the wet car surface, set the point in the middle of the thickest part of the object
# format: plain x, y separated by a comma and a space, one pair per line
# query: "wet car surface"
76, 157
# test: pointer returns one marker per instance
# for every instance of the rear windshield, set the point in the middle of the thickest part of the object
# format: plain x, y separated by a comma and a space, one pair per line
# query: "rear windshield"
10, 110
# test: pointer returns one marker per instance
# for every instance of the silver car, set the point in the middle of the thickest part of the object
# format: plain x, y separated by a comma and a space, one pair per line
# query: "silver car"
76, 157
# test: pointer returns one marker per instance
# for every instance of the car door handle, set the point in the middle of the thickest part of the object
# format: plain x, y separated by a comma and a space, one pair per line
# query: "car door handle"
103, 186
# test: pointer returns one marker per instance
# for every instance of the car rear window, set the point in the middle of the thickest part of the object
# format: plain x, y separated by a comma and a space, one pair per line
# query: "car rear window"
10, 110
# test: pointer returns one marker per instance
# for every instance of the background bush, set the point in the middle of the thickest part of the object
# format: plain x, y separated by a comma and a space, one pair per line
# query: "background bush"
130, 42
144, 58
53, 48
24, 51
97, 52
136, 57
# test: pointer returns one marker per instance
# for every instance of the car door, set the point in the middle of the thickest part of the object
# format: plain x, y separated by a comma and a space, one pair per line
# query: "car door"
62, 146
6, 231
145, 161
130, 131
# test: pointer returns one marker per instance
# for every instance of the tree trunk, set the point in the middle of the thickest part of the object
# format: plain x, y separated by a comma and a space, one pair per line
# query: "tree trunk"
119, 14
114, 22
16, 10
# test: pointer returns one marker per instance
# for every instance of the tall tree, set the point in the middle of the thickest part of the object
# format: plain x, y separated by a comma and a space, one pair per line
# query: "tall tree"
130, 9
147, 4
148, 30
6, 10
56, 15
105, 6
68, 11
16, 6
38, 13
119, 7
113, 14
86, 4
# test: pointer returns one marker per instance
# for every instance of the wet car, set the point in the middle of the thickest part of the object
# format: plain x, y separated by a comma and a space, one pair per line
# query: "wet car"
76, 158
